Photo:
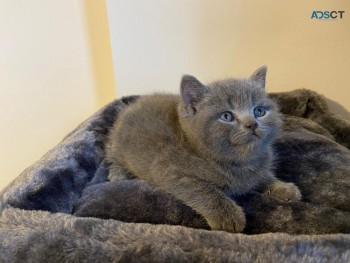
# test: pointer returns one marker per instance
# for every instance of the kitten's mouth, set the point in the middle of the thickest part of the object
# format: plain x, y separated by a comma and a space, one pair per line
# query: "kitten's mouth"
247, 139
255, 134
253, 138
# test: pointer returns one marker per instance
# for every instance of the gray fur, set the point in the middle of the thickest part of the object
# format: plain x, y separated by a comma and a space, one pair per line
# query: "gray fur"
181, 145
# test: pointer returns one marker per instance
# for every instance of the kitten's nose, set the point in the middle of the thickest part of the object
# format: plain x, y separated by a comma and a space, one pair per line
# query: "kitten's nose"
250, 124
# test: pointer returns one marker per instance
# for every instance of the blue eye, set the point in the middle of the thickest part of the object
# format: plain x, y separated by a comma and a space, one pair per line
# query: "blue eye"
227, 116
259, 111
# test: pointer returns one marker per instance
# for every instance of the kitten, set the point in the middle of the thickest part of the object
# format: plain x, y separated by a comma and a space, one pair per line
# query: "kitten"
212, 142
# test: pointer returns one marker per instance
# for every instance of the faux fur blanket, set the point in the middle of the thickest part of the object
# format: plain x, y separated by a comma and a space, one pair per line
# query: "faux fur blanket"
63, 208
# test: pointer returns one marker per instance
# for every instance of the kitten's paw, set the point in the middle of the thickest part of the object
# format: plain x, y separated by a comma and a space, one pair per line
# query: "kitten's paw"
283, 191
230, 219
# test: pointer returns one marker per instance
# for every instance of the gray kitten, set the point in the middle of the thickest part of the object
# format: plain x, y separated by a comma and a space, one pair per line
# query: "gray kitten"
212, 142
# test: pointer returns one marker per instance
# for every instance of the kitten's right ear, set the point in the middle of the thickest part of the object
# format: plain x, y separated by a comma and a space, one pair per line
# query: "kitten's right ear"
192, 92
259, 76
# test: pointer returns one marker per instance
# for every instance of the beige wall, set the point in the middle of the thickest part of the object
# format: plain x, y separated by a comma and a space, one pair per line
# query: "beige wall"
155, 42
51, 55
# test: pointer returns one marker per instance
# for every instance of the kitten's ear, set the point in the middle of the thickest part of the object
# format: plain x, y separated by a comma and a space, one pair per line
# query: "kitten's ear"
192, 92
259, 76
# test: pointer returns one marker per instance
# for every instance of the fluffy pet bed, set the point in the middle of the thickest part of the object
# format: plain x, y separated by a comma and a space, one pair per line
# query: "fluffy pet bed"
63, 208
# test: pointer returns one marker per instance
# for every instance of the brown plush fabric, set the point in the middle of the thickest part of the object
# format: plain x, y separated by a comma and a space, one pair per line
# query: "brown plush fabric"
72, 179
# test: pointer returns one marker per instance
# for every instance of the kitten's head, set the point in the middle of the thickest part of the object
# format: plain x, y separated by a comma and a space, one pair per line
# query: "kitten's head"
231, 119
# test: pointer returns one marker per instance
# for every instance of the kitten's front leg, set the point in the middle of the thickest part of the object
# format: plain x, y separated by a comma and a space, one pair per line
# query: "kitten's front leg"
230, 218
219, 210
282, 191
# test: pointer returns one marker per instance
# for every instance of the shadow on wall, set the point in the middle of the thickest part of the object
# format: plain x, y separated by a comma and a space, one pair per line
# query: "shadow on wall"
101, 52
336, 108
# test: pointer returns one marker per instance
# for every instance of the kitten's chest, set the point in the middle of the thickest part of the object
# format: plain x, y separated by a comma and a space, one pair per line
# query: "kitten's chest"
244, 179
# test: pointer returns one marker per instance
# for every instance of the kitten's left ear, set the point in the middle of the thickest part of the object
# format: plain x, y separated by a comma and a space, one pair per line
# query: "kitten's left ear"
259, 76
192, 92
